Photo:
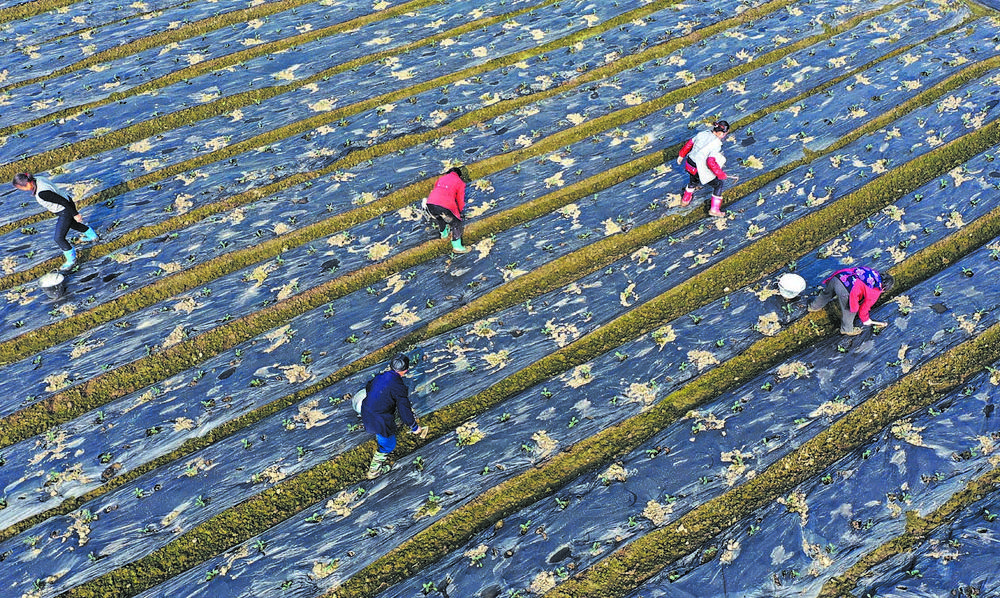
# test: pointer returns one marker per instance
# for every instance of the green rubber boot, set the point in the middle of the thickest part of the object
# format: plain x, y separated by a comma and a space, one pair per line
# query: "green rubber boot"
446, 232
378, 465
457, 247
70, 260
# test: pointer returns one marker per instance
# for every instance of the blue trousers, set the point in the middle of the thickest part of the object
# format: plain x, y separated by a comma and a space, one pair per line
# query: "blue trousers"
386, 444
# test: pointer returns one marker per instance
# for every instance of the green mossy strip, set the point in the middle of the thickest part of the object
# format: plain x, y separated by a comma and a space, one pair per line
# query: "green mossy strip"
101, 389
25, 10
268, 48
483, 168
74, 401
470, 119
540, 280
191, 30
624, 571
138, 131
458, 527
918, 531
288, 498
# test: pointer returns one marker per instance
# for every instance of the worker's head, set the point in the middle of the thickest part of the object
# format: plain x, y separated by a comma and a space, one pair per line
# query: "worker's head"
400, 363
24, 181
720, 128
887, 281
462, 172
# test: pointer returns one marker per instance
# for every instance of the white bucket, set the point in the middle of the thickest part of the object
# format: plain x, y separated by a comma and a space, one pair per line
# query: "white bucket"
53, 284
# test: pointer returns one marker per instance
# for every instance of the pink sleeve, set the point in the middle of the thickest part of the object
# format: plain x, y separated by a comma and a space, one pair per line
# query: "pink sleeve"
866, 303
460, 196
715, 168
687, 148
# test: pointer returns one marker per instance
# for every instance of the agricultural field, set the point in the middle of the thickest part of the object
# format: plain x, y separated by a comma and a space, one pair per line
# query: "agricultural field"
619, 401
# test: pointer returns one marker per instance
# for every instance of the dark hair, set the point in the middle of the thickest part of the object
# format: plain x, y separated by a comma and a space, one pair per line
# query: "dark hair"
22, 178
400, 363
722, 126
887, 282
462, 172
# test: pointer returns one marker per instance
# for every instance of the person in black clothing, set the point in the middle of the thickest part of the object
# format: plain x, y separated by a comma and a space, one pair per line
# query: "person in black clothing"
387, 394
54, 200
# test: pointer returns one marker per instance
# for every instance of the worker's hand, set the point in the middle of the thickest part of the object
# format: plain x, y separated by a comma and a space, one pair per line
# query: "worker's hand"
874, 323
421, 431
78, 218
679, 159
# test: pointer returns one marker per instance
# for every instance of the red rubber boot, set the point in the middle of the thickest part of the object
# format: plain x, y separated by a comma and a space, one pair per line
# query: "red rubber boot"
686, 198
716, 206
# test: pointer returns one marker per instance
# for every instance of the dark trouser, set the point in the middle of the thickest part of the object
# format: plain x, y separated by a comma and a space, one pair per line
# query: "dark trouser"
443, 218
716, 184
67, 220
836, 288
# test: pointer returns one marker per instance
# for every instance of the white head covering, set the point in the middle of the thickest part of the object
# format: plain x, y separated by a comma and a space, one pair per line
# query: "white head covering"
791, 285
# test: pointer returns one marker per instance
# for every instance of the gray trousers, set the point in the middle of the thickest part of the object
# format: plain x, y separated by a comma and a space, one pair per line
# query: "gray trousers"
836, 288
443, 217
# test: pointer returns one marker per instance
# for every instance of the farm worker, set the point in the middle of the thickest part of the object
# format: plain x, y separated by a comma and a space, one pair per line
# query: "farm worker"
704, 165
56, 201
446, 203
386, 394
857, 289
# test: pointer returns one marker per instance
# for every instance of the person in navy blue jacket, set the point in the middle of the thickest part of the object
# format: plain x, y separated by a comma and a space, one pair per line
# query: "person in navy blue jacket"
386, 395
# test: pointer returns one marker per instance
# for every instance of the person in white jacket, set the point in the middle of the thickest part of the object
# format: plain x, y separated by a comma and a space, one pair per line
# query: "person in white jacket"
704, 165
56, 201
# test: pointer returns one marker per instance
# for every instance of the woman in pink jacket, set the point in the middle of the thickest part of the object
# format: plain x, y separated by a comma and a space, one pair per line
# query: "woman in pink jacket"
446, 203
857, 289
704, 165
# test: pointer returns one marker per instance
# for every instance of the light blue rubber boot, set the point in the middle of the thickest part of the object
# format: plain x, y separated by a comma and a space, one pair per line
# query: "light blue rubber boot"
457, 247
446, 232
91, 235
70, 260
